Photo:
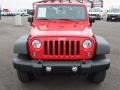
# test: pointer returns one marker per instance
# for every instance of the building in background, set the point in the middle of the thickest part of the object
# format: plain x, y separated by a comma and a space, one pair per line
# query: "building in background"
94, 3
98, 3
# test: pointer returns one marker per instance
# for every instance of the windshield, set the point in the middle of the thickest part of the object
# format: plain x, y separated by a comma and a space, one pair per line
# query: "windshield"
95, 10
62, 12
114, 10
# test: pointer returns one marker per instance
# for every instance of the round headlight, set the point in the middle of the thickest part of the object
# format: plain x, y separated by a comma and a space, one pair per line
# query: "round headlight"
36, 44
87, 44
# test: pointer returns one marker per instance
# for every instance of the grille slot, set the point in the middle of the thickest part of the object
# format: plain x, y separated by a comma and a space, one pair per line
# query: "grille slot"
45, 48
67, 47
77, 47
72, 47
61, 47
51, 47
56, 47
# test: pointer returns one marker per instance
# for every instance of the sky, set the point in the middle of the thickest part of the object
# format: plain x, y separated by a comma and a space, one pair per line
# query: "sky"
23, 4
111, 3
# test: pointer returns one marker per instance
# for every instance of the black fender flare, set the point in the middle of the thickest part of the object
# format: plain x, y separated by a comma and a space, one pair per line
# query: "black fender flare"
102, 45
20, 46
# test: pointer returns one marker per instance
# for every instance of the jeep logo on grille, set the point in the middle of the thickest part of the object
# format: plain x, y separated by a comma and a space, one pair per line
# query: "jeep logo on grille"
62, 38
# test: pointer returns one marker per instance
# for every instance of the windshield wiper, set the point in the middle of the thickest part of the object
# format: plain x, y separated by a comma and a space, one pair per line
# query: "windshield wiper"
44, 19
69, 20
58, 19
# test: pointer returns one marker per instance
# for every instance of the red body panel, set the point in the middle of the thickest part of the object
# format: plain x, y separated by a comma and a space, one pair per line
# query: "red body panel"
61, 30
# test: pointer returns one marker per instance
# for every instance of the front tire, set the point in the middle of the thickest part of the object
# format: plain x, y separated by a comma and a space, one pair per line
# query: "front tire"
25, 77
97, 77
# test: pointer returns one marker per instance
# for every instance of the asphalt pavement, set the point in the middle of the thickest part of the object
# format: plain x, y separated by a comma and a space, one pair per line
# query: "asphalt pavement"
8, 78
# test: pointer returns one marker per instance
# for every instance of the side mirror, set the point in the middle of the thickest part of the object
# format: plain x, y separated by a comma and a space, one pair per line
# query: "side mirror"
30, 19
30, 12
91, 20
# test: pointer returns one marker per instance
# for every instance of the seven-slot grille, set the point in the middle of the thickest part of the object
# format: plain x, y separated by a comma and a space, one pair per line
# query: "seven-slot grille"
61, 47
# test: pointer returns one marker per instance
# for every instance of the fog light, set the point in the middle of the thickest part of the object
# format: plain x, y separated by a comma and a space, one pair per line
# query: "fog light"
34, 53
48, 69
74, 69
89, 54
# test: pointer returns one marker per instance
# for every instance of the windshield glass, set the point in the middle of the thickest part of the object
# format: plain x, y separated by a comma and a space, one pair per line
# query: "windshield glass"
95, 10
61, 12
114, 10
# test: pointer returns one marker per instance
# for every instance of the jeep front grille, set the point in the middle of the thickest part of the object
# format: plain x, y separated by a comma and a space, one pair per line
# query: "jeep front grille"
61, 47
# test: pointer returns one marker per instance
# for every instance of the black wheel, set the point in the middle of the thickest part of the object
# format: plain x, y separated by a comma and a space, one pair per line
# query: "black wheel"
97, 77
25, 76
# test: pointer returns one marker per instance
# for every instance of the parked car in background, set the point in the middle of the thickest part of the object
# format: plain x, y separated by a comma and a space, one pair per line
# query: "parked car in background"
96, 12
5, 12
113, 14
22, 12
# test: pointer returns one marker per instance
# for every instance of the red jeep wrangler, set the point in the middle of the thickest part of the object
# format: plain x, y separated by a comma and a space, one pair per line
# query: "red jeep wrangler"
61, 41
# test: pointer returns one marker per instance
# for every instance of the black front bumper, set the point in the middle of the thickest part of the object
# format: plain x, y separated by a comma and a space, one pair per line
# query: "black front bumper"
62, 66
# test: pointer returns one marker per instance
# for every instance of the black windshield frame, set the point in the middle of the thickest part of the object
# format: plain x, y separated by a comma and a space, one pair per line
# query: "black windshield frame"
78, 19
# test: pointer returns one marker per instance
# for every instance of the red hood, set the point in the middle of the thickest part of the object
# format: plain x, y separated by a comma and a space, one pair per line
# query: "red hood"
61, 28
60, 25
87, 32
